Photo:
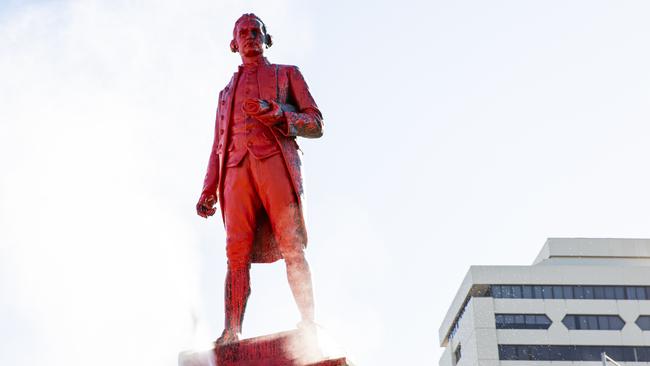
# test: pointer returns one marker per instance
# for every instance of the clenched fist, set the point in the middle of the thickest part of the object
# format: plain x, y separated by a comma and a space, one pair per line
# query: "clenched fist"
205, 206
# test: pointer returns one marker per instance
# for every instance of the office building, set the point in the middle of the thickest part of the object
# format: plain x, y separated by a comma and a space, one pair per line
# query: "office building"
580, 298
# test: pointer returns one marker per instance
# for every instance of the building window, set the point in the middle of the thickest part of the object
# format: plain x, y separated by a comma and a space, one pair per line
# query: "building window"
643, 322
475, 291
457, 354
573, 353
456, 325
593, 322
570, 292
522, 321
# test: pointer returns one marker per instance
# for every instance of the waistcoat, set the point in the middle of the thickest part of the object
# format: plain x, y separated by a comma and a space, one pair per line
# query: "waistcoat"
246, 133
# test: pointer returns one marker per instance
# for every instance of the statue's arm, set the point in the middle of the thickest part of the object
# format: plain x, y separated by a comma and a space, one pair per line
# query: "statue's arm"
212, 175
205, 206
306, 120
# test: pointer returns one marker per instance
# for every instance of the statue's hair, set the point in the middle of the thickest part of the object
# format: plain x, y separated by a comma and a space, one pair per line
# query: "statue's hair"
268, 40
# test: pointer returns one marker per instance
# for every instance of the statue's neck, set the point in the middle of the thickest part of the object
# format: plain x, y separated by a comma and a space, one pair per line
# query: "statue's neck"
253, 60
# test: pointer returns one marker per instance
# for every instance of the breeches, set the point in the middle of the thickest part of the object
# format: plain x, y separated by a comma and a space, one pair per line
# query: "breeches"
252, 188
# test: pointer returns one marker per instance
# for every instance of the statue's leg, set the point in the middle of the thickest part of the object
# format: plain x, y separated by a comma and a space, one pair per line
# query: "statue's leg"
236, 292
241, 204
280, 202
299, 277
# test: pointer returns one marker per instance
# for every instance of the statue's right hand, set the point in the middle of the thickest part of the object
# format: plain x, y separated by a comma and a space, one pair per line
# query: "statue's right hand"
205, 206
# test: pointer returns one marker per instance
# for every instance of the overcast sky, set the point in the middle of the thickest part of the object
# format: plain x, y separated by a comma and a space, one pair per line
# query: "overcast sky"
456, 133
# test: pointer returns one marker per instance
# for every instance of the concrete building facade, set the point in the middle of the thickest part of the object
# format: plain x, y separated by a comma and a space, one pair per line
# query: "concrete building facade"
581, 297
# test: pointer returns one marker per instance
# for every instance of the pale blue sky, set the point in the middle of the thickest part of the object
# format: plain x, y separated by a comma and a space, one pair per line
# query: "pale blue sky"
457, 133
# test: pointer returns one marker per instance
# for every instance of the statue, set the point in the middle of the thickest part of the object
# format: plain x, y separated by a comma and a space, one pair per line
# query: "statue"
254, 172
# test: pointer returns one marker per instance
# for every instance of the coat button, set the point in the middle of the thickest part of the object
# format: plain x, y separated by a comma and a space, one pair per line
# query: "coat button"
222, 116
250, 143
221, 131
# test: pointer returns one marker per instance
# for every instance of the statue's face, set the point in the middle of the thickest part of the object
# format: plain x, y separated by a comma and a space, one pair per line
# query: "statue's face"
249, 37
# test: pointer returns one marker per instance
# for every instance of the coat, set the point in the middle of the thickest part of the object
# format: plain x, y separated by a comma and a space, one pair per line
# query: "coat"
285, 85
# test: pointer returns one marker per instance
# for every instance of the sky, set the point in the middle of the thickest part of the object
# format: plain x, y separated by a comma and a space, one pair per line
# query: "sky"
456, 134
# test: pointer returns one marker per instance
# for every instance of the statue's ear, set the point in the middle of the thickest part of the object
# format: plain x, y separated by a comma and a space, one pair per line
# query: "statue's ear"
233, 46
268, 40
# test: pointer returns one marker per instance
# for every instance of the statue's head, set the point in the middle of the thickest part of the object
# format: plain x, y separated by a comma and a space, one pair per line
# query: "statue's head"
249, 36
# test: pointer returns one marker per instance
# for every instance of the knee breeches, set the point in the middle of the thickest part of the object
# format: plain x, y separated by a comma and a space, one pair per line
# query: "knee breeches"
251, 189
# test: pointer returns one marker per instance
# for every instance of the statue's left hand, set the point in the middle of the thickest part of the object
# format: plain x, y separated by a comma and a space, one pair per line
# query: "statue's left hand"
272, 116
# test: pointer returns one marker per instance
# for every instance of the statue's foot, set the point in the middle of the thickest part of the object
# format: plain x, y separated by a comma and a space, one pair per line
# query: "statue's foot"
308, 335
227, 336
307, 324
307, 327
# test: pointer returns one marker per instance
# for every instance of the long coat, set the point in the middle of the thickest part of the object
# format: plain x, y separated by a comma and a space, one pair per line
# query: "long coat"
285, 85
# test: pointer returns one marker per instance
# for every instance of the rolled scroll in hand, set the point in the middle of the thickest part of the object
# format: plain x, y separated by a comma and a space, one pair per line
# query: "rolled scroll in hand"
255, 107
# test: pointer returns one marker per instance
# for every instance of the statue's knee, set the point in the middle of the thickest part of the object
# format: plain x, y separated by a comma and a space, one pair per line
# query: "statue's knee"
238, 264
238, 258
238, 252
294, 257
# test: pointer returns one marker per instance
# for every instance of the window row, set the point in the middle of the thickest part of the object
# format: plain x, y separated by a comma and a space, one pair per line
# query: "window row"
522, 321
570, 292
456, 324
571, 321
573, 353
593, 322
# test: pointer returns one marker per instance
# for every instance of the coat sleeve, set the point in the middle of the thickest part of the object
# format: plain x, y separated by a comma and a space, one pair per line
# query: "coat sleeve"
307, 120
211, 180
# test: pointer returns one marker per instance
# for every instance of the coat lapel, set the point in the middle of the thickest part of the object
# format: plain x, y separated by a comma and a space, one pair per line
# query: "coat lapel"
268, 82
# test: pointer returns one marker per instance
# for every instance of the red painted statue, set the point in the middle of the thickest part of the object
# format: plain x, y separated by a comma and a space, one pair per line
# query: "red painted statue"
254, 172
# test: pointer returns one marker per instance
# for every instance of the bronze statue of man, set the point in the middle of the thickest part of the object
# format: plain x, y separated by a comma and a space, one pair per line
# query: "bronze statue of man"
254, 172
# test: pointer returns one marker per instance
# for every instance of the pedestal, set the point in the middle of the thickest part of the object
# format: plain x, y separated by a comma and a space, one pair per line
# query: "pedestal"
292, 348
